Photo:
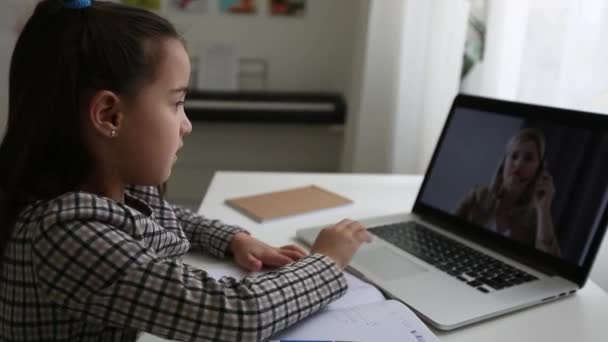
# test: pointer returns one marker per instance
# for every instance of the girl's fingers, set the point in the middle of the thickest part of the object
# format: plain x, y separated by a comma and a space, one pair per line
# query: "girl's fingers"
343, 224
274, 258
295, 249
363, 235
252, 263
293, 255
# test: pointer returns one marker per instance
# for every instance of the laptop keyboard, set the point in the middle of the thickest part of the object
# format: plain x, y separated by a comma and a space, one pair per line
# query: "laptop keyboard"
478, 270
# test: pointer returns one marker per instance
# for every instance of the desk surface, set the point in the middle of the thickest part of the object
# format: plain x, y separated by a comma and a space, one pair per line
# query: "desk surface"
581, 317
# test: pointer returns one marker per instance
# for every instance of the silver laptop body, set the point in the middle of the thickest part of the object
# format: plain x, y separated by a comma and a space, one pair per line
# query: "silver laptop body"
448, 296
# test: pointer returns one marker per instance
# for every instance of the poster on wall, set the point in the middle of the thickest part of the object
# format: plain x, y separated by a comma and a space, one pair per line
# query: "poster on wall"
153, 5
238, 6
292, 8
188, 6
218, 66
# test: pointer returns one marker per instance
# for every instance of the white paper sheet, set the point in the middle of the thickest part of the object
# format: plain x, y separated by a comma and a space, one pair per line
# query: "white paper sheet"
218, 66
359, 293
387, 320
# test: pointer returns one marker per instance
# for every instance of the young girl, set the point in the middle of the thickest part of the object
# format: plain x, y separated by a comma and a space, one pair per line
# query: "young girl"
96, 97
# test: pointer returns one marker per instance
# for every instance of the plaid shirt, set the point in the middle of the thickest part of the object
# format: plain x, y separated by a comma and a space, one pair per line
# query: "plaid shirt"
86, 268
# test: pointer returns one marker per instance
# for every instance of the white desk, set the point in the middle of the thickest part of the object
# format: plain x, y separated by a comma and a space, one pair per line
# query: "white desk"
582, 317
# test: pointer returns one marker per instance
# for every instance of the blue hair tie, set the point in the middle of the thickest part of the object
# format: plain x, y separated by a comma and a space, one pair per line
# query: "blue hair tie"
76, 4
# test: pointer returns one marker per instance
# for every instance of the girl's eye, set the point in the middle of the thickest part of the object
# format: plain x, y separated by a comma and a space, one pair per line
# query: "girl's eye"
180, 103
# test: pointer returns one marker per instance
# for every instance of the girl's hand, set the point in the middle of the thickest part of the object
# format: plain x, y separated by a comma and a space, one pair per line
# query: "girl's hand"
253, 254
341, 241
543, 192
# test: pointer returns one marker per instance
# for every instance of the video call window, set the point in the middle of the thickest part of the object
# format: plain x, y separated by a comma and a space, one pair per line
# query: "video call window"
541, 184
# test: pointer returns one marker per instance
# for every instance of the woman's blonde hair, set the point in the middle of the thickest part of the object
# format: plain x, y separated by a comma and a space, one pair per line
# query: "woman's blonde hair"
524, 135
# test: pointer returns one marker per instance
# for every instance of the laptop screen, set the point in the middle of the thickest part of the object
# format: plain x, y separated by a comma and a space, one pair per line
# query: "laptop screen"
535, 177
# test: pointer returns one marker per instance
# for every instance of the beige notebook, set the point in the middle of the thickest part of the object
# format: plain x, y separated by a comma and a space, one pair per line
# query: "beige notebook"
271, 205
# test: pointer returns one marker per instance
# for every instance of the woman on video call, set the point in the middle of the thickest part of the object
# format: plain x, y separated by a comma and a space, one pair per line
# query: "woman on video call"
517, 204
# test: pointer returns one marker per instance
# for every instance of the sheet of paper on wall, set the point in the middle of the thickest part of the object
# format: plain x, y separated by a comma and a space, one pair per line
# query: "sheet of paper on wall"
218, 66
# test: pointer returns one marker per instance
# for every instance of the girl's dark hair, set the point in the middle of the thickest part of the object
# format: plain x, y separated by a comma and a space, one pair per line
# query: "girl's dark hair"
62, 57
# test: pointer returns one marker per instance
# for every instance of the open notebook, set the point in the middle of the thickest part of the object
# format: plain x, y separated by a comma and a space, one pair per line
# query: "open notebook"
362, 314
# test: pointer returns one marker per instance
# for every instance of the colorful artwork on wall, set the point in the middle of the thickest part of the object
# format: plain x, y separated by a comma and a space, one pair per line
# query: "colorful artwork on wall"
188, 6
238, 6
287, 7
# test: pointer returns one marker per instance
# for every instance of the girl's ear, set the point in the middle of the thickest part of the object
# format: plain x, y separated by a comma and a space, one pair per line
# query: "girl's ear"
105, 113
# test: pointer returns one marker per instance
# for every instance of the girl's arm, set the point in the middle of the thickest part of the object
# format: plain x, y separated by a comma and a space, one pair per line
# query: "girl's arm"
98, 274
213, 236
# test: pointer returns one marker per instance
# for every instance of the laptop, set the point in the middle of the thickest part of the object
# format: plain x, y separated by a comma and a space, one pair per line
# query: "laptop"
510, 214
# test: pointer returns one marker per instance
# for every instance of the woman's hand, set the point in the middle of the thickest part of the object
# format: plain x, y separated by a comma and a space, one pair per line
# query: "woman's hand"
253, 254
543, 192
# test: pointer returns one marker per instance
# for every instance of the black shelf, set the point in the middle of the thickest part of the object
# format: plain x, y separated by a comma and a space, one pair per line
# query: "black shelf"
266, 107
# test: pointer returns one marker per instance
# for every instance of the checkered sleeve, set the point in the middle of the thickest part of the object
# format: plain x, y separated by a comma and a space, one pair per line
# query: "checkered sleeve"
213, 236
100, 274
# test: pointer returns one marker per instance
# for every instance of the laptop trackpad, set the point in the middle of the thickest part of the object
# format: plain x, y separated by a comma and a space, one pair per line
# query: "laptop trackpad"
387, 264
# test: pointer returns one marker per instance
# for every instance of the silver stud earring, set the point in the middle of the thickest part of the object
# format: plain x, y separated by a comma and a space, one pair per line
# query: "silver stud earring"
113, 133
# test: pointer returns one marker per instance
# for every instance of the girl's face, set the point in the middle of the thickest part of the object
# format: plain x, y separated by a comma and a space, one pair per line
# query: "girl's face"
155, 123
521, 164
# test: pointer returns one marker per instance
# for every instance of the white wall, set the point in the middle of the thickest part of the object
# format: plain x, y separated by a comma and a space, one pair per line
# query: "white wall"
445, 43
355, 91
498, 74
309, 53
410, 75
583, 72
6, 45
12, 16
375, 88
312, 52
599, 271
548, 52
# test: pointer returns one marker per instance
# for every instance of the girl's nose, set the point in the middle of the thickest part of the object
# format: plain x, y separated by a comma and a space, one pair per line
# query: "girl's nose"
186, 126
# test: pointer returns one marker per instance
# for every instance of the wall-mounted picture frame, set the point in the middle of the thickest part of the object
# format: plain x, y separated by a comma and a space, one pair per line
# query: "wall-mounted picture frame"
289, 8
238, 6
188, 6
